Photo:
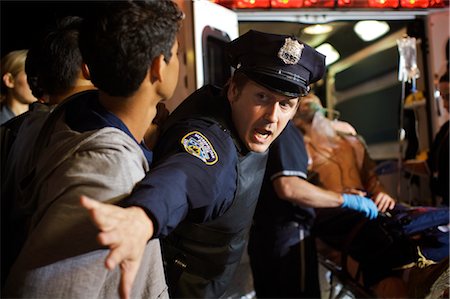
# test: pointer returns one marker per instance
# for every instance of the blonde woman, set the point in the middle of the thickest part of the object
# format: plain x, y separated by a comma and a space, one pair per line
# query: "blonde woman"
15, 92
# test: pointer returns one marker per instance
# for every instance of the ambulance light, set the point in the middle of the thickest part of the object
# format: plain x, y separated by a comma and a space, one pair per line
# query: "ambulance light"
376, 4
370, 29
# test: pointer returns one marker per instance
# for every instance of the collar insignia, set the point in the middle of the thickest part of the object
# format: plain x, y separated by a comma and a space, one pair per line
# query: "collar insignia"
196, 144
291, 51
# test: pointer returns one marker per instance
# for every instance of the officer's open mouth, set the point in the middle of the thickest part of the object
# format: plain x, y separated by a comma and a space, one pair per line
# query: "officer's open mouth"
261, 133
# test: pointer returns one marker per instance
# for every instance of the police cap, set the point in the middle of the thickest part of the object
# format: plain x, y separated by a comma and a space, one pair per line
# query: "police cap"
281, 63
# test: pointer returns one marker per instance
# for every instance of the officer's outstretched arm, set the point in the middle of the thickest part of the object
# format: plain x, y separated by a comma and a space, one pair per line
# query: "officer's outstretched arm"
126, 232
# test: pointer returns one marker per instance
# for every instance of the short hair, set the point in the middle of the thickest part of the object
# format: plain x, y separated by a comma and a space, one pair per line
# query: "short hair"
240, 80
54, 62
13, 63
120, 41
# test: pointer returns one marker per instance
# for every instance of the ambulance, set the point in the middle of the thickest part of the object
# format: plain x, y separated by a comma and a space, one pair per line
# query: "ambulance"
398, 119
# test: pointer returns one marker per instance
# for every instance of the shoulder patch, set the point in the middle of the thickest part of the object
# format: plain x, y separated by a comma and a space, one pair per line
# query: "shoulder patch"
196, 144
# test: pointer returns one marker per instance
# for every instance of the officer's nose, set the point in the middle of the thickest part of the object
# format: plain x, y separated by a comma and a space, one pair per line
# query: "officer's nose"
272, 112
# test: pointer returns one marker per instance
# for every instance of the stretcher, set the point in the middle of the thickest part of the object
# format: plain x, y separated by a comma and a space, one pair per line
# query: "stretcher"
345, 278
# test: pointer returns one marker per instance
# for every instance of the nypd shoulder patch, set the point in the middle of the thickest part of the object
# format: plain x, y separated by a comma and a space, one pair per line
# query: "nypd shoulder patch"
196, 144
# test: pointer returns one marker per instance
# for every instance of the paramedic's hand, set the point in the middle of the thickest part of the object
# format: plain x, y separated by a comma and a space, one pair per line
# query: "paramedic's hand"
361, 204
126, 232
383, 202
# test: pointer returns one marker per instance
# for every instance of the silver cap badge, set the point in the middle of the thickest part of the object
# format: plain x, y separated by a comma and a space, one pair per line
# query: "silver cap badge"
291, 51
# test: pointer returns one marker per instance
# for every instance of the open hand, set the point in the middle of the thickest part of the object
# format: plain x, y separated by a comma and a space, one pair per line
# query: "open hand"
126, 232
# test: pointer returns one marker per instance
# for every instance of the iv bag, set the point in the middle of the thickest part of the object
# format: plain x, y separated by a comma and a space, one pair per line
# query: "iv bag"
408, 70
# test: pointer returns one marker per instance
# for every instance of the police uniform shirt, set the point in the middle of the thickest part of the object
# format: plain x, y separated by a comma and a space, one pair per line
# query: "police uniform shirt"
287, 157
85, 113
195, 171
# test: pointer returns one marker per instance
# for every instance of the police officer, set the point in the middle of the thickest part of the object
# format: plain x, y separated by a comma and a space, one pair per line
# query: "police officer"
210, 162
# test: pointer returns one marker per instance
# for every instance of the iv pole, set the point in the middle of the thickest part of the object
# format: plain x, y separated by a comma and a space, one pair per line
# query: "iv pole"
408, 72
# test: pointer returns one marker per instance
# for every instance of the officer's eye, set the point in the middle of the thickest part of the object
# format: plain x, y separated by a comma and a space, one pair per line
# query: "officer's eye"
287, 104
262, 97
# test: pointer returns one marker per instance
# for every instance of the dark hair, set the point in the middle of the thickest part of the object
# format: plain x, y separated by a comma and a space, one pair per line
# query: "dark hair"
54, 62
239, 79
120, 41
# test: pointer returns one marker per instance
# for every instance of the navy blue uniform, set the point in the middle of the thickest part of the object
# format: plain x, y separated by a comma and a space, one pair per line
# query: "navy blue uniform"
281, 250
204, 188
201, 190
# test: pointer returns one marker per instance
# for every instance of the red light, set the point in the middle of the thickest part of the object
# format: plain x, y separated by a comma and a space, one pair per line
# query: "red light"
368, 3
226, 3
437, 3
286, 3
318, 3
243, 3
383, 3
414, 3
377, 4
346, 3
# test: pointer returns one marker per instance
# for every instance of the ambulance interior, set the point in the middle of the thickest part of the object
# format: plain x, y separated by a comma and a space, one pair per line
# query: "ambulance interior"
362, 81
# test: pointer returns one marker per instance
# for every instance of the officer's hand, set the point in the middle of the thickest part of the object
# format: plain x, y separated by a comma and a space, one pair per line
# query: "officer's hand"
361, 204
126, 232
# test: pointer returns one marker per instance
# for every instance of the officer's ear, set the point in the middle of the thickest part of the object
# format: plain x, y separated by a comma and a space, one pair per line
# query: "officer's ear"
156, 69
232, 92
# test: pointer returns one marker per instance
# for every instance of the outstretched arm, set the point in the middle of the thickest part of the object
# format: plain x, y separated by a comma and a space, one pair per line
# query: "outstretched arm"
125, 231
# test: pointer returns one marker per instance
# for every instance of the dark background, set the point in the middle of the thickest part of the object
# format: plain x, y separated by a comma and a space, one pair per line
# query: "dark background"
24, 21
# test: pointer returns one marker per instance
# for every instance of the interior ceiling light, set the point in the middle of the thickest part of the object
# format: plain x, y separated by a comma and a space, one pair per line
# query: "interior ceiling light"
370, 30
317, 29
330, 52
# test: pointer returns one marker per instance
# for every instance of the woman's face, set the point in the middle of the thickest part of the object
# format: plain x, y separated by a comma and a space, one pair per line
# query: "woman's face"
20, 89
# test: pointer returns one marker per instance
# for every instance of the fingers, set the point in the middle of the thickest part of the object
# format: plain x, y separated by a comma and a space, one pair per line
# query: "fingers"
118, 255
125, 232
92, 206
384, 202
88, 203
380, 201
104, 216
129, 272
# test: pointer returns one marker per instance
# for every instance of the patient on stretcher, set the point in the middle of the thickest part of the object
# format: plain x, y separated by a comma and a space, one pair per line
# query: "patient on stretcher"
388, 258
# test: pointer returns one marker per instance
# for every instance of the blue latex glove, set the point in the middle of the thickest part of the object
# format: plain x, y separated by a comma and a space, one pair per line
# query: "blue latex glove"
361, 204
